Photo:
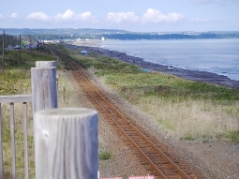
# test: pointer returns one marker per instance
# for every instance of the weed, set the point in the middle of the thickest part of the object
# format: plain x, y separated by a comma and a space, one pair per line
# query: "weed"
187, 137
206, 138
105, 155
232, 135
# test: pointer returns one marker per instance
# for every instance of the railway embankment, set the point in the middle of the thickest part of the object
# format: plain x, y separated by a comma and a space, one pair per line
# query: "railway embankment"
197, 120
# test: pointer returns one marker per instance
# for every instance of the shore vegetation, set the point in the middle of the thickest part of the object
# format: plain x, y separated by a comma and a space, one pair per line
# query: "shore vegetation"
184, 109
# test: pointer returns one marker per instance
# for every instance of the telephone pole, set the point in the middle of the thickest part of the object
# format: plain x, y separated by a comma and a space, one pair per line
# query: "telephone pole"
20, 48
30, 44
3, 44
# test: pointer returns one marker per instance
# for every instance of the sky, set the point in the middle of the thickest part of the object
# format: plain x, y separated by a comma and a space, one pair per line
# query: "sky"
131, 15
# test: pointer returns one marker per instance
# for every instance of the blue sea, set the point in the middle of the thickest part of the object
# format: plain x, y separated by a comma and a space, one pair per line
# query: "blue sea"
220, 56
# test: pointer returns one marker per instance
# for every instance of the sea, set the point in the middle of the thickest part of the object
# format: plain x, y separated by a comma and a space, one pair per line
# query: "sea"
220, 56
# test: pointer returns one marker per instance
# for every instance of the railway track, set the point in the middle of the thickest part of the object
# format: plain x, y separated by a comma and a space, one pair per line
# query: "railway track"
163, 165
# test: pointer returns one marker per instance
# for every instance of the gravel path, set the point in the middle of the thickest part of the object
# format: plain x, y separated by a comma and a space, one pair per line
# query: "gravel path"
123, 162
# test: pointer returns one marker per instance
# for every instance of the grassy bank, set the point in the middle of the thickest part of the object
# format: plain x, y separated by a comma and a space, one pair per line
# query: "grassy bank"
185, 109
16, 77
16, 80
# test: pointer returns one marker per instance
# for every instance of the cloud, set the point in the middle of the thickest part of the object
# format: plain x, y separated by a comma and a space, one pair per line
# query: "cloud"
14, 15
1, 16
68, 15
118, 17
150, 16
155, 16
41, 16
85, 17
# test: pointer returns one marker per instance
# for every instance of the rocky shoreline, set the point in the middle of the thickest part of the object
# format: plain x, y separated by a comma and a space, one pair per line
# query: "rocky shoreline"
193, 75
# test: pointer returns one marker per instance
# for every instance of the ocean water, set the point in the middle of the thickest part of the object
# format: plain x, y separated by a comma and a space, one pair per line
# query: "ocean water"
220, 56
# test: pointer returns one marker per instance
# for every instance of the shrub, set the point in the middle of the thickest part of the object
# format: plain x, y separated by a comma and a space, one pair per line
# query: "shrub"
105, 155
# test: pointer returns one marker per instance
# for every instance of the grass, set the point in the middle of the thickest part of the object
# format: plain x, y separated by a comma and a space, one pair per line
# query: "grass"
16, 77
185, 109
180, 107
16, 80
105, 155
187, 137
233, 135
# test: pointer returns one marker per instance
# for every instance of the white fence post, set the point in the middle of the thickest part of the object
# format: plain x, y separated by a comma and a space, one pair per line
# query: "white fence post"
25, 127
42, 64
12, 128
66, 143
1, 151
44, 88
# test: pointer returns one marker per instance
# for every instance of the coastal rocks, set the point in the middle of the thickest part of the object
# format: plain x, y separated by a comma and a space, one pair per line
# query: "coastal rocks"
193, 75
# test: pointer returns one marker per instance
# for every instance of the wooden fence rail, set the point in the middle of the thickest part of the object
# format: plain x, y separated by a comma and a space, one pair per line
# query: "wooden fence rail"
44, 96
12, 100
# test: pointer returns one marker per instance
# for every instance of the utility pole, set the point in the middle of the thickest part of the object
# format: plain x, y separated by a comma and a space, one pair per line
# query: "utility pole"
3, 44
20, 48
30, 44
10, 40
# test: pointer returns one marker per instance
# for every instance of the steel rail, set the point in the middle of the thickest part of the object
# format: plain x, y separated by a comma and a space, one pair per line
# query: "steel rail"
122, 117
77, 69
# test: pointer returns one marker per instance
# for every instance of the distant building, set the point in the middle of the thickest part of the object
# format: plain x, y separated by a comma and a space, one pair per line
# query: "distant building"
83, 52
17, 47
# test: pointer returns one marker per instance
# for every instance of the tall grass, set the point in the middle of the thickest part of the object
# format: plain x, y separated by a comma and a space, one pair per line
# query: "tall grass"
16, 80
184, 109
16, 77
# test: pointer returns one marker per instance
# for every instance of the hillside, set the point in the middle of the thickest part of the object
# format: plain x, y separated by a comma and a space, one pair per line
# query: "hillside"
108, 34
